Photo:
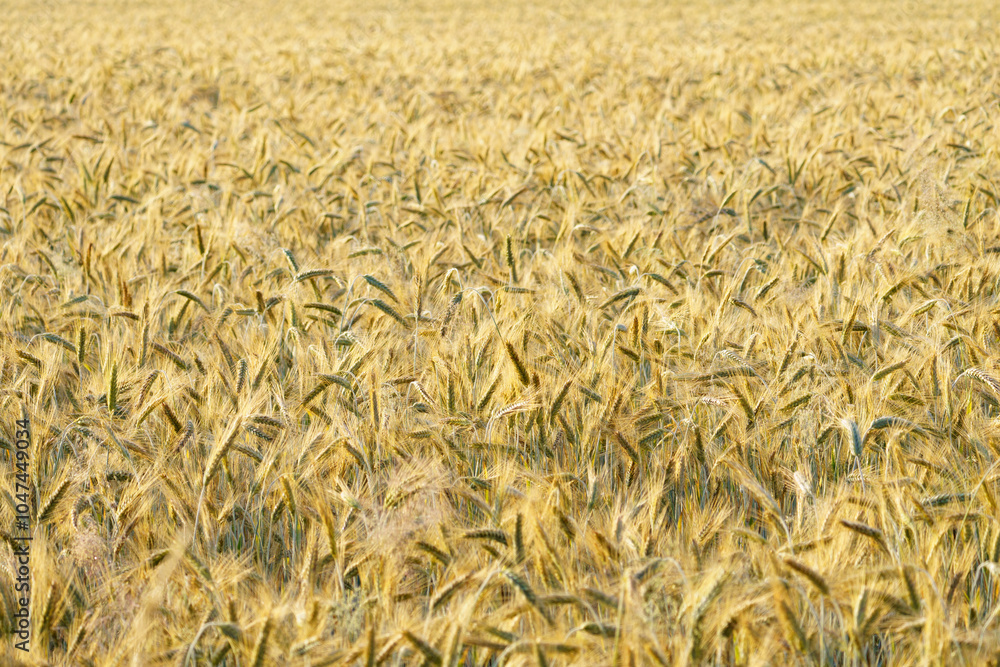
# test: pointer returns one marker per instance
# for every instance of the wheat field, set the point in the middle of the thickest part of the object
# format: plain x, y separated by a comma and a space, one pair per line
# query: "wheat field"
529, 333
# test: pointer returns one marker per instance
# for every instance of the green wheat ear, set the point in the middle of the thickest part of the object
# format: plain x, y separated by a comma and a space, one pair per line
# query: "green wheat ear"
81, 345
113, 389
510, 260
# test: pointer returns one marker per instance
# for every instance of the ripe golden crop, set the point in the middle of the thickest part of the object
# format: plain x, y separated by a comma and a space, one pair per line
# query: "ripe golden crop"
475, 333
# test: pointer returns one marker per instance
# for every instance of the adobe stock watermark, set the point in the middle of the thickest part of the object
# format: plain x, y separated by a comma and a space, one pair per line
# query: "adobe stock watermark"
22, 537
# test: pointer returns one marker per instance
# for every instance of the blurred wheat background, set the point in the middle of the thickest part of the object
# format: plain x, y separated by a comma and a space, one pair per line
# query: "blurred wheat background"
529, 333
